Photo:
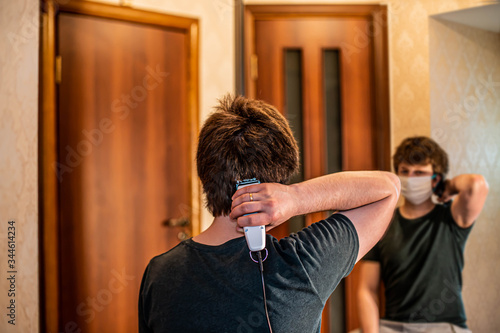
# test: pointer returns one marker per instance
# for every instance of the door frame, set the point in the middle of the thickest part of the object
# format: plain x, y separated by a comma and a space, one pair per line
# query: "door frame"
380, 95
48, 233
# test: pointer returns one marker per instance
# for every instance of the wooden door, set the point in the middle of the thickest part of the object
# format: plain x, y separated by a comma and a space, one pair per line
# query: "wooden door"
313, 34
125, 138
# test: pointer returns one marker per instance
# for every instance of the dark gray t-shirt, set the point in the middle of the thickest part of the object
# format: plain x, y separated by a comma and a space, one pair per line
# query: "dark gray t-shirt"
421, 263
201, 288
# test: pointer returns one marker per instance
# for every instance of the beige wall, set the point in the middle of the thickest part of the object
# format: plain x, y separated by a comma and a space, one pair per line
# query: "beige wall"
18, 159
465, 119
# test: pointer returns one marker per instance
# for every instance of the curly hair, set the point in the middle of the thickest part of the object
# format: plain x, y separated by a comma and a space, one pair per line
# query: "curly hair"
243, 138
421, 150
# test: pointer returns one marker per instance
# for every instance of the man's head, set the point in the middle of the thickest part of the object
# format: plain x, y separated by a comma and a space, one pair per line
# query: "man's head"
420, 164
420, 151
243, 139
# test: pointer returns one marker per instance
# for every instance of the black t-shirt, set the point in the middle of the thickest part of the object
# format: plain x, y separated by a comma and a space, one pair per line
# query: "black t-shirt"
421, 263
201, 288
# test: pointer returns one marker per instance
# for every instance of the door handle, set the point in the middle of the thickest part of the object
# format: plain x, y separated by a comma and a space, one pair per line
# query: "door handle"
179, 222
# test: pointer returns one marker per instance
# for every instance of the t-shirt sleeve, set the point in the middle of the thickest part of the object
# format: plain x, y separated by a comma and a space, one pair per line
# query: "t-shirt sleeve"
327, 251
460, 234
143, 313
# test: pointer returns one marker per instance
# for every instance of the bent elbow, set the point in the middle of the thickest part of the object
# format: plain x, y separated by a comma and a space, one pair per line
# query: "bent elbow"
395, 182
479, 185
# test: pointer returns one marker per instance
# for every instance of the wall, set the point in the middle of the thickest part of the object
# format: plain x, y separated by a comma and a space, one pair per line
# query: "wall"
18, 161
465, 118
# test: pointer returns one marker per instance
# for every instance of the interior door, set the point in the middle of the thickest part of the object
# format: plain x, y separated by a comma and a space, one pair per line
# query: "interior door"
309, 62
125, 147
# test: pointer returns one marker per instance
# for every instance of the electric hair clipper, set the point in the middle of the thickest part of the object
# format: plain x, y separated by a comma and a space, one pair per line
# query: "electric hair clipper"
440, 186
255, 236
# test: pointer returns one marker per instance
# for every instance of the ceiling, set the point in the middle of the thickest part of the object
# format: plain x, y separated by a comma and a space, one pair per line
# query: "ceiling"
484, 17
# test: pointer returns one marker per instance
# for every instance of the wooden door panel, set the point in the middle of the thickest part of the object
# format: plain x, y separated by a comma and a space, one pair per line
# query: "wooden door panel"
123, 134
312, 36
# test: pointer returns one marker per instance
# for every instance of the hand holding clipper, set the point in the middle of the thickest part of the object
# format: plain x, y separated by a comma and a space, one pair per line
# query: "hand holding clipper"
256, 235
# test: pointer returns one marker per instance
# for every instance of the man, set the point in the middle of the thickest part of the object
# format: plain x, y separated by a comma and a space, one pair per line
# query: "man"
420, 259
210, 283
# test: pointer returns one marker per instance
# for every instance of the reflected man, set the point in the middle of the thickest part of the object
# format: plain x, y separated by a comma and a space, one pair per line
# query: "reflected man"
420, 258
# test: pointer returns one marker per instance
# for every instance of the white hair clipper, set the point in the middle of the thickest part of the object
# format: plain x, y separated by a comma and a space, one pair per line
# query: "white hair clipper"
255, 236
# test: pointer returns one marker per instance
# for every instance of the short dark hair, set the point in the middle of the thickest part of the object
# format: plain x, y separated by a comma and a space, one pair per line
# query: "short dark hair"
242, 139
421, 150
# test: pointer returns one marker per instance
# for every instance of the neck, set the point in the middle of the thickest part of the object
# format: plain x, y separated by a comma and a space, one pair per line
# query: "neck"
220, 231
411, 211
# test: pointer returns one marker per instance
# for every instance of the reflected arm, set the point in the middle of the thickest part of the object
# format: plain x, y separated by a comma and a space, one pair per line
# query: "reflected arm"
368, 300
471, 191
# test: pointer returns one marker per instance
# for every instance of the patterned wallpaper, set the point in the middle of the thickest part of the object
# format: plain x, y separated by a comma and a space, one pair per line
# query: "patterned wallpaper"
18, 162
409, 63
465, 119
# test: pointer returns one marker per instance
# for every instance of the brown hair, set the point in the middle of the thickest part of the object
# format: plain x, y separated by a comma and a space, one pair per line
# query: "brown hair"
421, 150
243, 139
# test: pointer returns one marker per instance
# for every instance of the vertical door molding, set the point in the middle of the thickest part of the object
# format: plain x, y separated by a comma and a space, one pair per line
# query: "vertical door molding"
48, 186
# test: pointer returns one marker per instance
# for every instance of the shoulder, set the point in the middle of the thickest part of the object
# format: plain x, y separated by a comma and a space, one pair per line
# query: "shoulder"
171, 257
333, 237
337, 228
335, 224
444, 216
325, 252
443, 213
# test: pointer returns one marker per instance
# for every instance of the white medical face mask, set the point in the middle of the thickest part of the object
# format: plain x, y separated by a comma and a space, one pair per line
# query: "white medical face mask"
416, 189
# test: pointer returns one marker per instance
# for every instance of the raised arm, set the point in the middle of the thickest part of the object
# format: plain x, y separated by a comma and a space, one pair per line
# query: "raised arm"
471, 191
367, 198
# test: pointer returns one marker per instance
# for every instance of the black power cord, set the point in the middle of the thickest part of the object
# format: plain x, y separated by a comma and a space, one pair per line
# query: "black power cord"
261, 266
